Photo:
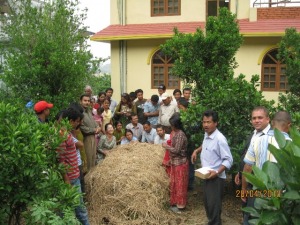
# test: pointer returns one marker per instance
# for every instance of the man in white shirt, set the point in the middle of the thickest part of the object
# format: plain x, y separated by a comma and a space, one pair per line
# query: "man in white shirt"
166, 111
149, 133
161, 136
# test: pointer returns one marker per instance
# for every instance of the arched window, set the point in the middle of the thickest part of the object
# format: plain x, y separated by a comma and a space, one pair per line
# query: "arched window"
162, 71
273, 73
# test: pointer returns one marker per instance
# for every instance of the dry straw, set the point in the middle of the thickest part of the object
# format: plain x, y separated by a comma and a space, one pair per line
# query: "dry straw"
129, 187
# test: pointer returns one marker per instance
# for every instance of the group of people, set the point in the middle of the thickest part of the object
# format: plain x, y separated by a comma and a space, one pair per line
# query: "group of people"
99, 125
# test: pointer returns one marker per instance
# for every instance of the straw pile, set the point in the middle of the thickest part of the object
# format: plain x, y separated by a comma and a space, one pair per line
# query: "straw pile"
129, 187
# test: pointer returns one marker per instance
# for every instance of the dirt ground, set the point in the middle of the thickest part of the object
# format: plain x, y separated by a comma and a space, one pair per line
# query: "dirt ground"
195, 212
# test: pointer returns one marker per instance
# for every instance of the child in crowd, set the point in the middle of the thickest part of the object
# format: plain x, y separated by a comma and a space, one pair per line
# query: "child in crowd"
106, 114
119, 132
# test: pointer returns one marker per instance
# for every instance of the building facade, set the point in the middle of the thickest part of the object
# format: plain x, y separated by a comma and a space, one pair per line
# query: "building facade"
138, 28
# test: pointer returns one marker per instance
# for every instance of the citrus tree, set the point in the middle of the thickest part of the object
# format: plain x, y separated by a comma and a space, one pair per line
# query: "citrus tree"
31, 185
45, 54
206, 59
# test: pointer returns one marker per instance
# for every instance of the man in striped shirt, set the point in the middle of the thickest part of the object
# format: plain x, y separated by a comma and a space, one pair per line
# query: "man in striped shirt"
67, 156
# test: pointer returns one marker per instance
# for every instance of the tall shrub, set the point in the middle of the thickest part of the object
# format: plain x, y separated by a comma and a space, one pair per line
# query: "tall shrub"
46, 54
31, 186
206, 59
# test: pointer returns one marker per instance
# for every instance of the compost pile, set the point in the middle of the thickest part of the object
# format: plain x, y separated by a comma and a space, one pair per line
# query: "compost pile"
129, 187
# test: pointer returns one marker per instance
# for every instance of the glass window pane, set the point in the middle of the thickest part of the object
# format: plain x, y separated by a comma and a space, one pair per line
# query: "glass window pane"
273, 70
212, 8
282, 86
272, 84
282, 78
266, 70
272, 78
266, 85
282, 70
266, 78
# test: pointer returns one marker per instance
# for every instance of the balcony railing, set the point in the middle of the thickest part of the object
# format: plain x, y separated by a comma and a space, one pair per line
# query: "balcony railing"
275, 3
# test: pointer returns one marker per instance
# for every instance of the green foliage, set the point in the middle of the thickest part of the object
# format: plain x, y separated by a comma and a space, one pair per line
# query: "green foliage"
30, 178
289, 52
100, 83
202, 56
279, 184
291, 103
206, 59
46, 55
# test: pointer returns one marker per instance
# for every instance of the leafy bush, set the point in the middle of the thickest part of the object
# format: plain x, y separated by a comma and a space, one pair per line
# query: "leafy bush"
282, 177
31, 186
206, 60
289, 53
46, 56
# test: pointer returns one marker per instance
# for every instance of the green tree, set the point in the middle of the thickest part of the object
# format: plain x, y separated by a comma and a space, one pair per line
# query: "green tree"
100, 82
207, 60
289, 53
31, 185
46, 54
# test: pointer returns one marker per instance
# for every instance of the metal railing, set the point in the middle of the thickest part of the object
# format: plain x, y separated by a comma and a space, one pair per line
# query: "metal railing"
275, 3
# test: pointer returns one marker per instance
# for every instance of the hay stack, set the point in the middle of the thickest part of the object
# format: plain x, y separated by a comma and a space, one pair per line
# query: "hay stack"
129, 187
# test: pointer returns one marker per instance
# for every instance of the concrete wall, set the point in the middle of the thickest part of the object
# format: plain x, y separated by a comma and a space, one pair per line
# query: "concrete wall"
249, 58
139, 11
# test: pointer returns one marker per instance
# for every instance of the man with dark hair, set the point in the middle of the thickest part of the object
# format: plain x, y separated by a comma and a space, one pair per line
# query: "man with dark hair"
136, 128
149, 133
215, 154
113, 104
161, 90
258, 152
42, 110
139, 103
151, 110
182, 104
89, 129
67, 156
187, 94
161, 136
260, 121
132, 96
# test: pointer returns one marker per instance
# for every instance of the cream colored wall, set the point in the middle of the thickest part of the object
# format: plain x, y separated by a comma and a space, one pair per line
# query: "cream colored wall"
191, 10
139, 72
249, 59
243, 8
114, 16
115, 70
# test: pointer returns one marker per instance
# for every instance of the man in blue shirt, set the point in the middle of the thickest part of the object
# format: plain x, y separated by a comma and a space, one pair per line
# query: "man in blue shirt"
215, 154
149, 133
151, 110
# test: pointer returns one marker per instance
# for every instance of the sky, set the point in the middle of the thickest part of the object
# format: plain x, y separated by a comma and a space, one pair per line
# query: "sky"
98, 17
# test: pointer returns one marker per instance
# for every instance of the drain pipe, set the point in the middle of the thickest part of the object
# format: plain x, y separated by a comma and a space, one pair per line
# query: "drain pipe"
122, 48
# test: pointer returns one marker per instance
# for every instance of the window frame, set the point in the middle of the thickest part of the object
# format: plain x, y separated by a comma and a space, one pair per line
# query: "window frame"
218, 3
278, 66
166, 65
165, 9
